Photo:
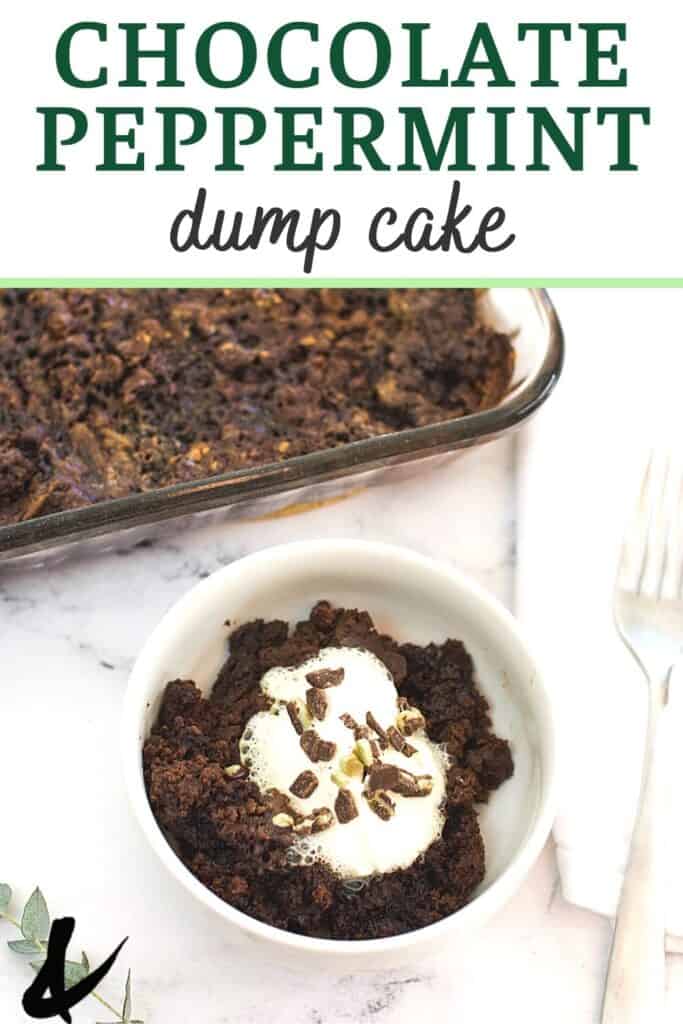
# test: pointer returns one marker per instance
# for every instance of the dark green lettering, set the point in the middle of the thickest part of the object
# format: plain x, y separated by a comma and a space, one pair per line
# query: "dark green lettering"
350, 139
492, 60
111, 137
290, 137
594, 54
229, 117
457, 127
382, 54
545, 124
50, 141
203, 55
169, 122
275, 55
63, 55
416, 77
168, 53
623, 116
544, 32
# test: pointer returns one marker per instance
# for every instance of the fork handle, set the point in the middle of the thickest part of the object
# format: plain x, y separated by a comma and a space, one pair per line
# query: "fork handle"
636, 975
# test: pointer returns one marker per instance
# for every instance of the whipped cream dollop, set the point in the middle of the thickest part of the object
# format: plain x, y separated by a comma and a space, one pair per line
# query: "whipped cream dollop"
271, 748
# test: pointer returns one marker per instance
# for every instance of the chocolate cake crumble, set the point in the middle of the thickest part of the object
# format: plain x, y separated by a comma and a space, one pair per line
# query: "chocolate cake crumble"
244, 842
109, 392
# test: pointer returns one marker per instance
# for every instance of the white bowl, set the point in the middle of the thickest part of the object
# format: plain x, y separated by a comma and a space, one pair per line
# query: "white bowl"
412, 598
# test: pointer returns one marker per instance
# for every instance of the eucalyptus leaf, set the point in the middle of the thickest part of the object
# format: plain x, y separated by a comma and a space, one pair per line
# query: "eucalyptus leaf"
24, 946
5, 897
74, 972
127, 1006
35, 928
35, 921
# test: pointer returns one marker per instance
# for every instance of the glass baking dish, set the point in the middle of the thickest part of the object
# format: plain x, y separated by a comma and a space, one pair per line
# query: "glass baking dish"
311, 480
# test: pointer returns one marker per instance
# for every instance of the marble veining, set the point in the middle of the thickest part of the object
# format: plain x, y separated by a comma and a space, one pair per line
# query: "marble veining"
69, 637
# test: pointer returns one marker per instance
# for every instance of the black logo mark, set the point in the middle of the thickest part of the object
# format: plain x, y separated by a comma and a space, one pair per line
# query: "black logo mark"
50, 978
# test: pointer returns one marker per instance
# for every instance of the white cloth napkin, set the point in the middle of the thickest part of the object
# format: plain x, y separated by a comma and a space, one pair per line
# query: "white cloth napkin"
580, 463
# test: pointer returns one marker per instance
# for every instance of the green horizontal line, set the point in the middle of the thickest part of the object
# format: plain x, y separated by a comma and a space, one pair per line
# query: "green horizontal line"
341, 282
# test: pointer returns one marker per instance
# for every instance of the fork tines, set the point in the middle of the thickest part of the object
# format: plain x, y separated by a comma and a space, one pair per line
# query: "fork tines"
652, 555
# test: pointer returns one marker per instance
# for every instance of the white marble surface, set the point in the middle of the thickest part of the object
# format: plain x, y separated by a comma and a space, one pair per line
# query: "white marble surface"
69, 637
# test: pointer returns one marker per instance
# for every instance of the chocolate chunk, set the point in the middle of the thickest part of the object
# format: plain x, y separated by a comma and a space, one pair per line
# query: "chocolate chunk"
349, 721
322, 819
304, 784
315, 748
381, 803
280, 803
425, 784
383, 776
325, 677
399, 743
345, 807
294, 716
382, 733
316, 702
360, 732
398, 780
409, 721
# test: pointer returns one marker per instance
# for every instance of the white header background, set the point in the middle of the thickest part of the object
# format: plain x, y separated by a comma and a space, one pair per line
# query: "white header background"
594, 223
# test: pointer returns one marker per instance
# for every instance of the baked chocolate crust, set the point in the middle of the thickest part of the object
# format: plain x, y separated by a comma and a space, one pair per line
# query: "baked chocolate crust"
109, 392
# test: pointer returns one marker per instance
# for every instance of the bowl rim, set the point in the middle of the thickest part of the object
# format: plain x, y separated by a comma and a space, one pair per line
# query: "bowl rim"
481, 906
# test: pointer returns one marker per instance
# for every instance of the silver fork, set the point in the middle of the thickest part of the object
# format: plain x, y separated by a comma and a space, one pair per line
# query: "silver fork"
648, 609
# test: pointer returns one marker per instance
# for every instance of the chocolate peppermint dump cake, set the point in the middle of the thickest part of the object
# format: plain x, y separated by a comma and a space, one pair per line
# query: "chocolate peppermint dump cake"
108, 392
328, 784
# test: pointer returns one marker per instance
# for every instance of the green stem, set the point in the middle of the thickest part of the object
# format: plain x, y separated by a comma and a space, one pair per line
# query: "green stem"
108, 1006
41, 948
